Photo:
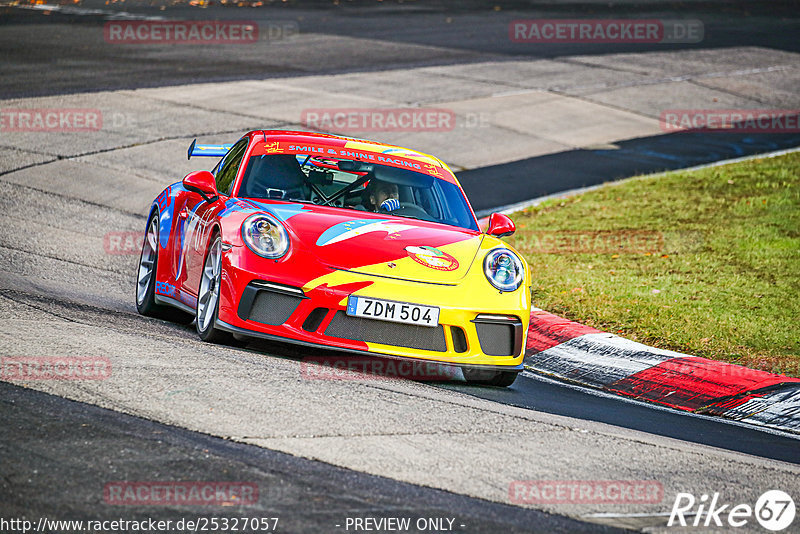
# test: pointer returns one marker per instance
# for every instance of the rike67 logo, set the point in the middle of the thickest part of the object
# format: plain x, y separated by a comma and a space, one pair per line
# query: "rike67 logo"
774, 510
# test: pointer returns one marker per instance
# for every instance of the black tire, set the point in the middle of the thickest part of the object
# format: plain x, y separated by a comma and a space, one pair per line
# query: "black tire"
205, 328
481, 377
145, 294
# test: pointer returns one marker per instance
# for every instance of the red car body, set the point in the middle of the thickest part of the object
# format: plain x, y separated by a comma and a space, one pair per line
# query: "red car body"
329, 259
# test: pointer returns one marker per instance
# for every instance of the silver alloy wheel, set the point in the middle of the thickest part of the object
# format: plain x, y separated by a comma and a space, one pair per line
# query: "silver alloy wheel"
148, 260
209, 286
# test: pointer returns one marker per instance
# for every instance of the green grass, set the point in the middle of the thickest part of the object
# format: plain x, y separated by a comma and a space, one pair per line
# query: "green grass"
715, 271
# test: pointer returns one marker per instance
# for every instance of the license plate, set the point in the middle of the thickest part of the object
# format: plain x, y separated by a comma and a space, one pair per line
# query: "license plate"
396, 312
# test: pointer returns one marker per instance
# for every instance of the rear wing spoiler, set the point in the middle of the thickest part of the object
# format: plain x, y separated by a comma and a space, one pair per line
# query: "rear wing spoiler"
214, 151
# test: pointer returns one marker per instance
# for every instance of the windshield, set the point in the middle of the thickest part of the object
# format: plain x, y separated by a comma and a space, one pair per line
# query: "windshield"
355, 185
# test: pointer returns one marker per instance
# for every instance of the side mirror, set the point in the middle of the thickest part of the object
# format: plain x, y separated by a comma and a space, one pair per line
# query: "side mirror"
500, 225
202, 182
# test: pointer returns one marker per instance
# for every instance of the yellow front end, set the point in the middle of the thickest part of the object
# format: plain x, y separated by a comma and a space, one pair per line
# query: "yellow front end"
480, 325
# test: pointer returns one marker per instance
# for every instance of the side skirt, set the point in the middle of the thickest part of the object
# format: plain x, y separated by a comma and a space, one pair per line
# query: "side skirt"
169, 301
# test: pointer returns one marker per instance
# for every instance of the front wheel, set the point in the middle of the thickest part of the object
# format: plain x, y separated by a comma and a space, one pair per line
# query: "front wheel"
482, 377
208, 296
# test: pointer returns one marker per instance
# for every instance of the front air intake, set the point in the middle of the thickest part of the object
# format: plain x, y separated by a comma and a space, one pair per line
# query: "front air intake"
499, 335
268, 303
386, 333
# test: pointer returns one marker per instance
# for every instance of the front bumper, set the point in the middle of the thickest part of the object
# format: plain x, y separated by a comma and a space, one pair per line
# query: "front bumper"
489, 336
261, 335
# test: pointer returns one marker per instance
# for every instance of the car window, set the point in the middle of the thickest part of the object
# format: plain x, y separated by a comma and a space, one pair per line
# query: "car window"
226, 170
344, 183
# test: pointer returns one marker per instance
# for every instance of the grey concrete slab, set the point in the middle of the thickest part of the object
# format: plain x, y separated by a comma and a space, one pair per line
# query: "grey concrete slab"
57, 243
57, 211
516, 129
33, 273
692, 62
91, 183
652, 100
162, 162
777, 88
11, 159
463, 145
270, 101
570, 121
614, 104
406, 87
57, 227
123, 119
543, 74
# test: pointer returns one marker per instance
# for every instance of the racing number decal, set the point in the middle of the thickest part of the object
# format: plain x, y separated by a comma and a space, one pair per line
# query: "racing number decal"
164, 199
199, 228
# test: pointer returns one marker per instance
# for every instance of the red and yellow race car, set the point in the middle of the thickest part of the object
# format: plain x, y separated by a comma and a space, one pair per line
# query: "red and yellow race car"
338, 243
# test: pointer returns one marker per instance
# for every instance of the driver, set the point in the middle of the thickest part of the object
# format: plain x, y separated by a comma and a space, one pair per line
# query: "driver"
382, 195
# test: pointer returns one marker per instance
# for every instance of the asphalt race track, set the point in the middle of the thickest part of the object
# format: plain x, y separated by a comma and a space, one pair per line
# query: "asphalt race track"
92, 438
323, 451
390, 35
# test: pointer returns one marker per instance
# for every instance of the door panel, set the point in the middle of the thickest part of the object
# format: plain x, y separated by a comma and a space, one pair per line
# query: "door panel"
200, 216
198, 229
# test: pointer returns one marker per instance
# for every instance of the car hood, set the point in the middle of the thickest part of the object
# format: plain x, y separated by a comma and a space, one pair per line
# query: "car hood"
378, 244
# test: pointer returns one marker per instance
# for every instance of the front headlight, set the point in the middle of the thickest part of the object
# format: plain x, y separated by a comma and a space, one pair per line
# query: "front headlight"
503, 269
265, 236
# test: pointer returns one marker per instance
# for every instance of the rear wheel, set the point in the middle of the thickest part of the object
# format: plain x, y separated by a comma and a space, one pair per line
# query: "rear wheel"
146, 280
208, 296
482, 377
